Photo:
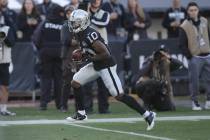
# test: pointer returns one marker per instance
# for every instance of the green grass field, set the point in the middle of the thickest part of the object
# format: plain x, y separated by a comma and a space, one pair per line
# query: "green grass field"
173, 129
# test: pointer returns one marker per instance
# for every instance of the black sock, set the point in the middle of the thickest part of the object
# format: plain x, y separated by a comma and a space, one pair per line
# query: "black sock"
132, 103
79, 98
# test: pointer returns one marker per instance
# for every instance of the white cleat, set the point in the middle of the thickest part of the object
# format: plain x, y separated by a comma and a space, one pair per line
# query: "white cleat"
77, 117
196, 106
150, 121
7, 113
207, 105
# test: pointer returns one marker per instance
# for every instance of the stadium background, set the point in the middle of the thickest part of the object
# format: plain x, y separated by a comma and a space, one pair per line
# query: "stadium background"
123, 123
23, 81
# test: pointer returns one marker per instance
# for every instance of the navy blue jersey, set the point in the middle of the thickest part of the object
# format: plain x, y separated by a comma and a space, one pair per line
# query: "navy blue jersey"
86, 39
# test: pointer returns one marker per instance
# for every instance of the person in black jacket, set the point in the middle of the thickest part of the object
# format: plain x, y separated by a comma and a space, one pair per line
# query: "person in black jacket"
69, 44
136, 21
154, 84
117, 13
47, 40
173, 18
10, 14
45, 8
28, 20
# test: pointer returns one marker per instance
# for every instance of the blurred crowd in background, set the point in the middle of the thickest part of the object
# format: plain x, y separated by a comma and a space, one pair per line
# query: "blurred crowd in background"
130, 20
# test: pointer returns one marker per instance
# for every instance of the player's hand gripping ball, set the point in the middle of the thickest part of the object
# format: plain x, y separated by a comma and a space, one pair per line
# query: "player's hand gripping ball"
77, 55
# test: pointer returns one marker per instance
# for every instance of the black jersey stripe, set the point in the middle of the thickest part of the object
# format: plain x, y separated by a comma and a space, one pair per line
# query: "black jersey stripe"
113, 80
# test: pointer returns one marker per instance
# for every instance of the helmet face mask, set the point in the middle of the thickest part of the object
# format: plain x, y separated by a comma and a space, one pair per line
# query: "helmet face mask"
74, 25
78, 21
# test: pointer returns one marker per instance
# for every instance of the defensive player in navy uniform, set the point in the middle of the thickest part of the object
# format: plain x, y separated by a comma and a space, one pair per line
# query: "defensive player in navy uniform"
101, 65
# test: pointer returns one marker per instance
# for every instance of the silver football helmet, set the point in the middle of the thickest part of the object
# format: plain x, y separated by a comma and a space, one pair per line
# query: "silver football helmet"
78, 21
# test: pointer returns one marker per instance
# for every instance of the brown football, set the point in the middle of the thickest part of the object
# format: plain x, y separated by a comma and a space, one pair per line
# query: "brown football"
77, 55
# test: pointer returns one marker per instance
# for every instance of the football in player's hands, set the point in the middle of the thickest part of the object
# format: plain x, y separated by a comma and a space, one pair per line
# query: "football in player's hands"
77, 55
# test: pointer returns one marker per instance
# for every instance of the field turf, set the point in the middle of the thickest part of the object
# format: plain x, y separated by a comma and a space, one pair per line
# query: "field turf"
196, 129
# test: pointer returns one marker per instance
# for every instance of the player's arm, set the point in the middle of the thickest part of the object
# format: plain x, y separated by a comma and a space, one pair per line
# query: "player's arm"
101, 51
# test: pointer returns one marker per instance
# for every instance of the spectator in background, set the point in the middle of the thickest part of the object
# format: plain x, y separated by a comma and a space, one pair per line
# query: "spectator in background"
99, 21
68, 10
69, 44
7, 40
47, 40
99, 18
154, 84
28, 20
10, 14
194, 41
137, 21
117, 12
173, 18
74, 3
45, 7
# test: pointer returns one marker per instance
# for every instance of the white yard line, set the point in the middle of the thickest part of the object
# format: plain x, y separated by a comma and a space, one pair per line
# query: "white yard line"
105, 120
121, 132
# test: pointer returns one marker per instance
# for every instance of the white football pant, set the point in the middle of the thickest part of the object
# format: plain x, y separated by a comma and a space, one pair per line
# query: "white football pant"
108, 75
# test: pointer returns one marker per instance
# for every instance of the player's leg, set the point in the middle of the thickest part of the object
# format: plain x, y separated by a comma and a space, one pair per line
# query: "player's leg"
46, 74
83, 76
195, 66
4, 93
102, 96
4, 100
112, 82
206, 79
67, 76
88, 97
57, 81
